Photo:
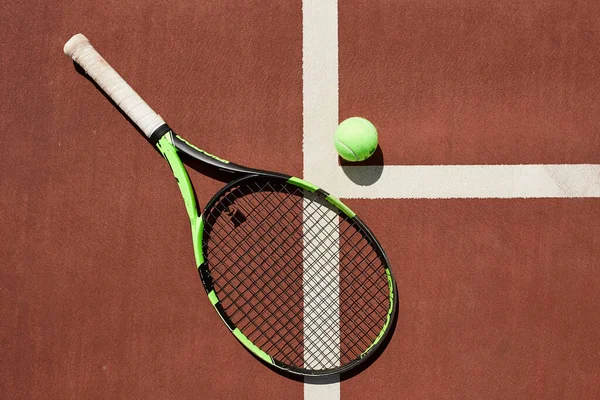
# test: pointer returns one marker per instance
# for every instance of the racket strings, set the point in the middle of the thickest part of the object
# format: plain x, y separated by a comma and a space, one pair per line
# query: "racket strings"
242, 287
291, 356
360, 307
369, 304
263, 240
331, 255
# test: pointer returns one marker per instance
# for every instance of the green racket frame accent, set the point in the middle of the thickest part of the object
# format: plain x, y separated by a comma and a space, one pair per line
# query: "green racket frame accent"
251, 346
344, 208
303, 184
212, 296
169, 152
390, 313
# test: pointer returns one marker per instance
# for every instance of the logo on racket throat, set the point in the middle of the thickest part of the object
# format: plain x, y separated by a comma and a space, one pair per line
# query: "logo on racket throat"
235, 215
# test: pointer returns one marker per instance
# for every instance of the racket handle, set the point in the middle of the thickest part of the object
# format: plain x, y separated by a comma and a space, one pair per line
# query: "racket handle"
83, 53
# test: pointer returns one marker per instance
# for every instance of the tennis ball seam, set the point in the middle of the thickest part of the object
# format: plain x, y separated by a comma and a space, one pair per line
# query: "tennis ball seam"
371, 128
348, 148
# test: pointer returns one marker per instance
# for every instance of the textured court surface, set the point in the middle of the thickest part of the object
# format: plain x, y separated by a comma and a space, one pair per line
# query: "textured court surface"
499, 297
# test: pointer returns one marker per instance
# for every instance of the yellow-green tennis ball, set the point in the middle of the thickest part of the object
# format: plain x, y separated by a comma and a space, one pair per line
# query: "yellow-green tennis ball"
355, 139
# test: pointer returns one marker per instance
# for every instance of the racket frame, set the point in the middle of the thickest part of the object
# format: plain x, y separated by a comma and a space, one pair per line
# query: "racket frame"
171, 145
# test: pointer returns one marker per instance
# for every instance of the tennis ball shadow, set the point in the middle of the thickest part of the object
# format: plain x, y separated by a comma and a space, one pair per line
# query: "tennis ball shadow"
364, 173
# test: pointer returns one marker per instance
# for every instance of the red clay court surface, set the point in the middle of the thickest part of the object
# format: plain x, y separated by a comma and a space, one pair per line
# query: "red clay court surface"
99, 298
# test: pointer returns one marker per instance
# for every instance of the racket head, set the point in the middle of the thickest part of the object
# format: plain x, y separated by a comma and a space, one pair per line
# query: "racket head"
297, 277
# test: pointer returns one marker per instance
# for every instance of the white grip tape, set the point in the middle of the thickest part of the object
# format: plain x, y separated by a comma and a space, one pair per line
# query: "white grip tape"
83, 53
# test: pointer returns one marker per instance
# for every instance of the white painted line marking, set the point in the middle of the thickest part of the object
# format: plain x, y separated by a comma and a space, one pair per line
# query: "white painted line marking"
320, 84
320, 118
322, 389
460, 181
321, 286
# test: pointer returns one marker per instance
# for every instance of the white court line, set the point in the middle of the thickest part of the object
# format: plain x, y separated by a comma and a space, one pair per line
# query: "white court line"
320, 116
460, 181
320, 84
321, 287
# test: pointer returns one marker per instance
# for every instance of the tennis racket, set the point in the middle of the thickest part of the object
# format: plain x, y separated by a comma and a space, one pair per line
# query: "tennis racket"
293, 273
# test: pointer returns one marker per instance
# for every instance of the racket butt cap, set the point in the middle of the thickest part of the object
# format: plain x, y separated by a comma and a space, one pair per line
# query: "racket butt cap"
72, 44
